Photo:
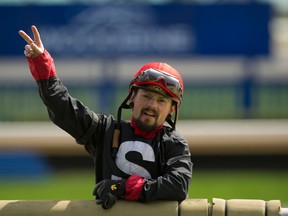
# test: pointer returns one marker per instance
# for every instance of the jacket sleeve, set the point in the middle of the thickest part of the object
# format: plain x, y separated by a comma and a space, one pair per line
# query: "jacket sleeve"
65, 111
174, 182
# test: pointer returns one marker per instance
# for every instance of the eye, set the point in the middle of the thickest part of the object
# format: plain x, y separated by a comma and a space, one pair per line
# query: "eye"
162, 100
146, 95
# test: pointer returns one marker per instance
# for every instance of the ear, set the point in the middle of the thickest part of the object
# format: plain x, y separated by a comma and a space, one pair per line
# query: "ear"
132, 96
172, 109
131, 99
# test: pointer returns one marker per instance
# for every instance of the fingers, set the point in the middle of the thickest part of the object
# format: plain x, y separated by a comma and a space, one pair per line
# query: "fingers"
109, 201
100, 185
99, 201
25, 37
28, 51
36, 35
35, 47
32, 51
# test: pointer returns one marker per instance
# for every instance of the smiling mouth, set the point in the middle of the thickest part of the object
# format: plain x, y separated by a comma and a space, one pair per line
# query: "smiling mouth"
149, 112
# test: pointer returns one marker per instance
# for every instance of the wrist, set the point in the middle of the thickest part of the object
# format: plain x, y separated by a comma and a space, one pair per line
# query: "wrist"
42, 67
133, 188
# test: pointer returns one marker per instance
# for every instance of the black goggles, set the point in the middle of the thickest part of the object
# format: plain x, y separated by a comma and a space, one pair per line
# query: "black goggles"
169, 82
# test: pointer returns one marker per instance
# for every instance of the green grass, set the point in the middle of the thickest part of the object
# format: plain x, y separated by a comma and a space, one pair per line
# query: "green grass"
264, 185
225, 184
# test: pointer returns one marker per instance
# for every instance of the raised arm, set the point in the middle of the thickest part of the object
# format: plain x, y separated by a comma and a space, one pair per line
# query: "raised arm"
65, 111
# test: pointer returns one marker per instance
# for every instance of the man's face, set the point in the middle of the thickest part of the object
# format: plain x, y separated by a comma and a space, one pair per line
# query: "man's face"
150, 109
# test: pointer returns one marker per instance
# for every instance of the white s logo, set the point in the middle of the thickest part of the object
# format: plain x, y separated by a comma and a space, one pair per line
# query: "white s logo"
129, 167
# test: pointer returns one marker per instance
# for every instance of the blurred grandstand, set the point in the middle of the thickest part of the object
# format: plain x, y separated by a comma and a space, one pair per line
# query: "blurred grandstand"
216, 87
233, 88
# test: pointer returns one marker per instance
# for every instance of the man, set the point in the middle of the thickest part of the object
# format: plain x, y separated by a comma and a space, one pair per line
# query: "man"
139, 160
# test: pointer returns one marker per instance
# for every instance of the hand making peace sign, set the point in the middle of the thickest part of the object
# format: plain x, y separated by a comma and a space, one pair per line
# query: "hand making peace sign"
34, 47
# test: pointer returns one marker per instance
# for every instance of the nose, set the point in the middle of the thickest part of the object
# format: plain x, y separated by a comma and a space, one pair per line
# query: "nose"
153, 102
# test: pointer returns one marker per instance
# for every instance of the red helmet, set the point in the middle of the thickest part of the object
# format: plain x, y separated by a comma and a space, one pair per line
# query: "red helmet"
161, 78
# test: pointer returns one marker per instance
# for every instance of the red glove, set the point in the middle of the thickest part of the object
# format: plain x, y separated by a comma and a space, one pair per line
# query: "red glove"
42, 67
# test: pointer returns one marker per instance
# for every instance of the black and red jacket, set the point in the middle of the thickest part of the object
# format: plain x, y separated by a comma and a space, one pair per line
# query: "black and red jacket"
157, 168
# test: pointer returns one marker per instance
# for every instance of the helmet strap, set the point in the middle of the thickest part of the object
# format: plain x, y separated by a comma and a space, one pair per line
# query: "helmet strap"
123, 105
169, 119
116, 135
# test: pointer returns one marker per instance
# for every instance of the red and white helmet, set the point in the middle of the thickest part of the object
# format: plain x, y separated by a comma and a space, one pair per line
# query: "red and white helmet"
160, 78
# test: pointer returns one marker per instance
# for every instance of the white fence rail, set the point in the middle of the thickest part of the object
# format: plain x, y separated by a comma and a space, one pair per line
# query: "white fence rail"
189, 207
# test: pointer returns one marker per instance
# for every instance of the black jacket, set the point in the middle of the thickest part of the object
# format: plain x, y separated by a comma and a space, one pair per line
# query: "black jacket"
164, 161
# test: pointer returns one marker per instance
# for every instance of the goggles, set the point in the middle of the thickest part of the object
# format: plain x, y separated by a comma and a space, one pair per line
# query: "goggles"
169, 83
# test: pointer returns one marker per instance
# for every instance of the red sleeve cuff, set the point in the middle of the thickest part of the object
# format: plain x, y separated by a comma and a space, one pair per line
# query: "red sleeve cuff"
42, 67
134, 185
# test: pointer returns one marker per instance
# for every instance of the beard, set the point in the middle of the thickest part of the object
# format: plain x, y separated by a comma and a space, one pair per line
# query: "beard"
144, 125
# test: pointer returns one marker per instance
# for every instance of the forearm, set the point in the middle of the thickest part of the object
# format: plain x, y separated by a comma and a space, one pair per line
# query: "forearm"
171, 186
65, 111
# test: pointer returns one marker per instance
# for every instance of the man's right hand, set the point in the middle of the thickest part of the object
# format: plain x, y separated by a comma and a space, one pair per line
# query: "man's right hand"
34, 47
108, 191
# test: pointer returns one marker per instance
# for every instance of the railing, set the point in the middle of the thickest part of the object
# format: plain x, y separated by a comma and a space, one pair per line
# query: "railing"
191, 207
